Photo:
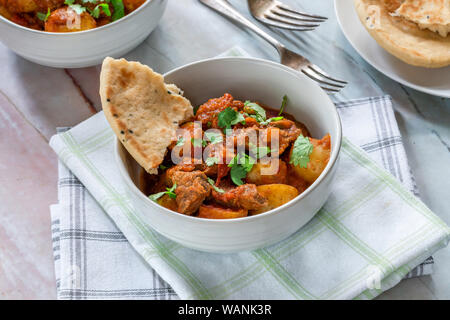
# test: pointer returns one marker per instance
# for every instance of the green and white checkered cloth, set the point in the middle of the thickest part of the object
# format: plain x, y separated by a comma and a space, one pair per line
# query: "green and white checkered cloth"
370, 234
370, 229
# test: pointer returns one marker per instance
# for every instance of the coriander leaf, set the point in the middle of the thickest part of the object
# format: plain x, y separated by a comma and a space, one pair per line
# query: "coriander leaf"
119, 10
211, 161
77, 8
301, 151
214, 137
240, 166
156, 196
238, 173
162, 167
90, 1
209, 124
96, 12
247, 162
255, 110
229, 117
69, 2
196, 109
198, 142
211, 182
283, 105
238, 119
261, 152
180, 142
264, 123
43, 16
226, 117
170, 192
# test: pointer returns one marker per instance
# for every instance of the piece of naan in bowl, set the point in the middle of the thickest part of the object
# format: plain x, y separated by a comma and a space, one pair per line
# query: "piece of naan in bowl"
142, 110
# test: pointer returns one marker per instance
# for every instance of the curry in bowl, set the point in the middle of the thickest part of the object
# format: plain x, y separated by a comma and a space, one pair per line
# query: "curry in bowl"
217, 181
66, 15
225, 159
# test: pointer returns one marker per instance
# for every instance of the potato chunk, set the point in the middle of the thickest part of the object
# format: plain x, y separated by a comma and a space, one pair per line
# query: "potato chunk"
216, 212
67, 20
276, 194
268, 172
168, 203
318, 159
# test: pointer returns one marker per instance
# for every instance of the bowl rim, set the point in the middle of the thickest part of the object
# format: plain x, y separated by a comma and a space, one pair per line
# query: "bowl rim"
68, 34
331, 163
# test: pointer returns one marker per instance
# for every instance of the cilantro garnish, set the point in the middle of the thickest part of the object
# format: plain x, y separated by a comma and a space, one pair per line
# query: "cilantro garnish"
119, 10
229, 117
238, 173
214, 137
96, 12
211, 182
240, 166
301, 151
180, 142
264, 123
43, 16
283, 104
260, 152
196, 109
255, 110
169, 191
211, 161
198, 142
69, 2
162, 167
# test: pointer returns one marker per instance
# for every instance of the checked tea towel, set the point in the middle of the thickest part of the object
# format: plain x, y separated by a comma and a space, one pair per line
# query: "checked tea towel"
371, 228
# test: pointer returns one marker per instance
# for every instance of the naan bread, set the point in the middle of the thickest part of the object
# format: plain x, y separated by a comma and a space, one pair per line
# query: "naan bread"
402, 38
433, 15
142, 110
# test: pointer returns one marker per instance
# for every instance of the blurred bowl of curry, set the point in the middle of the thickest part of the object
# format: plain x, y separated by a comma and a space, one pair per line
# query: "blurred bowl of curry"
244, 79
76, 33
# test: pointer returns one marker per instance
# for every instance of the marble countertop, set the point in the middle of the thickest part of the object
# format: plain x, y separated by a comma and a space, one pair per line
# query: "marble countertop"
34, 100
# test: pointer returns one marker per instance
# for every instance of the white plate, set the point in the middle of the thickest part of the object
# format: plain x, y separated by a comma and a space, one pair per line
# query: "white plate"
432, 81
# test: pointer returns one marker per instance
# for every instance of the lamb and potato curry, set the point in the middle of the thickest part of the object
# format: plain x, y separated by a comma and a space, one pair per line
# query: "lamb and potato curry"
66, 15
216, 180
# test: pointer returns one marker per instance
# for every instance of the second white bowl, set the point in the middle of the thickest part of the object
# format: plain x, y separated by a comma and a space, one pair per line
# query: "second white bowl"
85, 48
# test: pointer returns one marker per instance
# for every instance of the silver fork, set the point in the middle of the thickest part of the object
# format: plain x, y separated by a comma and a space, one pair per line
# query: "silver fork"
287, 57
278, 14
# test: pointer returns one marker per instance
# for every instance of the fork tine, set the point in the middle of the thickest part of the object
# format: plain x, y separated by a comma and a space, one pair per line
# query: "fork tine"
320, 79
273, 23
326, 75
280, 19
329, 90
284, 14
292, 11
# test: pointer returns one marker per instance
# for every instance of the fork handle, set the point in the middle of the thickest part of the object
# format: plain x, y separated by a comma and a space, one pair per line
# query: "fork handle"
225, 8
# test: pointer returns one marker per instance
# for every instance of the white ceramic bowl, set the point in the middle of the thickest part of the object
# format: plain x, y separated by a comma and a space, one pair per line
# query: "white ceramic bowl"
85, 48
252, 79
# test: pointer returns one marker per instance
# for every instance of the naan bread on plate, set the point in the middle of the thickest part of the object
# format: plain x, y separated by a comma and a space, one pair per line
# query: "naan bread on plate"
143, 111
411, 30
433, 15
